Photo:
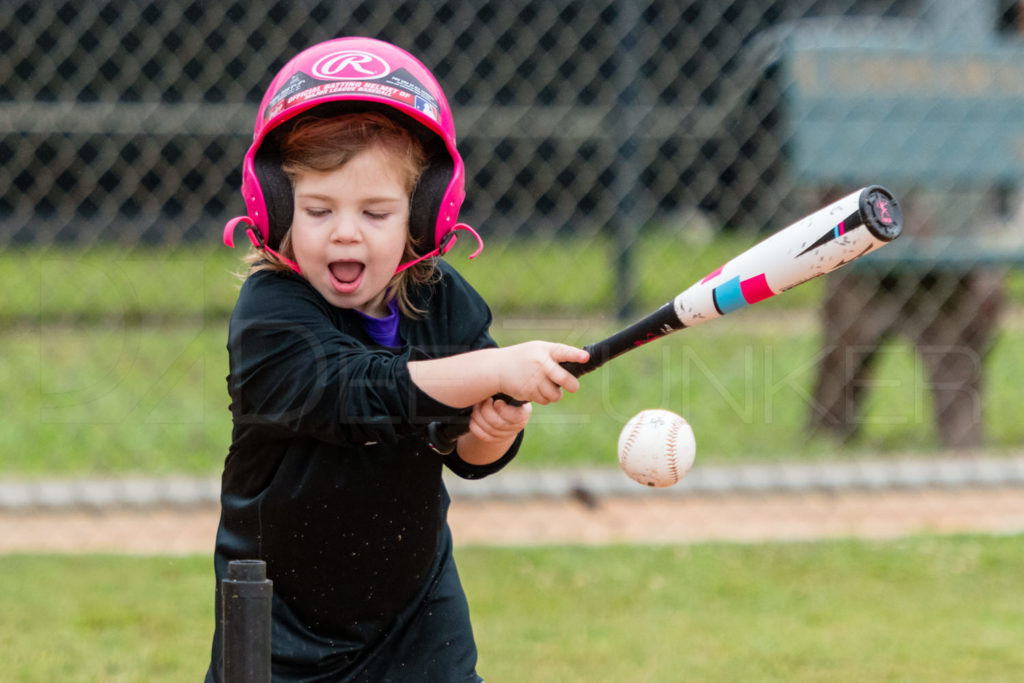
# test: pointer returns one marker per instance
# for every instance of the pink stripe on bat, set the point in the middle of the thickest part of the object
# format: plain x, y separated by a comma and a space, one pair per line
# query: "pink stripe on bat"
713, 274
756, 289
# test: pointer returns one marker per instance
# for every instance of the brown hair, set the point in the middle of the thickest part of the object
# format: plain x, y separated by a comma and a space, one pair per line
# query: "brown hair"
324, 144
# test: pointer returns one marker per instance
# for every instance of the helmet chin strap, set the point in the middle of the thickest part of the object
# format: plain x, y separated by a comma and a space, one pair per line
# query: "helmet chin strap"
447, 242
257, 240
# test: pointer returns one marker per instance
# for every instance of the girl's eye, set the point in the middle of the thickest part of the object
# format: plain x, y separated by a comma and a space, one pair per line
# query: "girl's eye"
317, 213
376, 215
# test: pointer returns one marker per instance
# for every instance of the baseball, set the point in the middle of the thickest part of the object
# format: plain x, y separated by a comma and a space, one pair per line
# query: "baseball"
657, 447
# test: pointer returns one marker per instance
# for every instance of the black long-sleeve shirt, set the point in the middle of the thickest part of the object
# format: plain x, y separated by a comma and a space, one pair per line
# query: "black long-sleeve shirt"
329, 478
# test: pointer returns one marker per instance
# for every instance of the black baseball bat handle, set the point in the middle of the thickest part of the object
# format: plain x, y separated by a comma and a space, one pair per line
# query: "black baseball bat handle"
442, 435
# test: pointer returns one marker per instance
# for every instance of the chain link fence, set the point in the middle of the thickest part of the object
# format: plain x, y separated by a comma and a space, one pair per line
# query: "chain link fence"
126, 121
589, 123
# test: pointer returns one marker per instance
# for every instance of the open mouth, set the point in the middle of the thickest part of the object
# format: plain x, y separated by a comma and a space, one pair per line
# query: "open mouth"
346, 275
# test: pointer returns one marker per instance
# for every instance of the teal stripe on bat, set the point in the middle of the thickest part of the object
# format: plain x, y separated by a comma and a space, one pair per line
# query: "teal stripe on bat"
728, 296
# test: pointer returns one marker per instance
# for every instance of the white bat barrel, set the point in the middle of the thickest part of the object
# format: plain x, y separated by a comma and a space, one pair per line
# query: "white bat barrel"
845, 230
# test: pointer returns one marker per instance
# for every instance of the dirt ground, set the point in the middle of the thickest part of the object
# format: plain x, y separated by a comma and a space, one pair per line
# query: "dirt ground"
638, 519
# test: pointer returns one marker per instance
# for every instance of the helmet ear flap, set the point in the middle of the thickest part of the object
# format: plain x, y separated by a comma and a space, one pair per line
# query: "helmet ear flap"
278, 194
425, 205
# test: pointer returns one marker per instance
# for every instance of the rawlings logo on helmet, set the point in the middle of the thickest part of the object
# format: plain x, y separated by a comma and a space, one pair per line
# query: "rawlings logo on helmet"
350, 65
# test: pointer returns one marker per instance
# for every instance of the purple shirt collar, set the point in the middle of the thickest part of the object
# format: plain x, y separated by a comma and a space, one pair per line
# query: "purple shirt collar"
384, 331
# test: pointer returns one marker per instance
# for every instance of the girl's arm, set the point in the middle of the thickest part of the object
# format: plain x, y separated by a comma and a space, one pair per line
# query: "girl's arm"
529, 372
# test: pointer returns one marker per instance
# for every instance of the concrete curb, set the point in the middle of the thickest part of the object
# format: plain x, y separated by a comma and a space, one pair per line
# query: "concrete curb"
526, 482
100, 493
755, 478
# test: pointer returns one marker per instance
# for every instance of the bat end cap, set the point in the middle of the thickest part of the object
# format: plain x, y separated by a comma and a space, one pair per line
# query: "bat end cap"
882, 213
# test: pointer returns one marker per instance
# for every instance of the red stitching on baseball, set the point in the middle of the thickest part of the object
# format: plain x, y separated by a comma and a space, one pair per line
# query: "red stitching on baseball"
673, 436
630, 440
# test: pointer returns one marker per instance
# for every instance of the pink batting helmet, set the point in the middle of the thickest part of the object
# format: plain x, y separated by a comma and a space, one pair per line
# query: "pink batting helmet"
351, 75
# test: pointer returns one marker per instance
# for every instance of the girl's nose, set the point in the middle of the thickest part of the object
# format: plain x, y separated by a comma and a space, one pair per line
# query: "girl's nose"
345, 229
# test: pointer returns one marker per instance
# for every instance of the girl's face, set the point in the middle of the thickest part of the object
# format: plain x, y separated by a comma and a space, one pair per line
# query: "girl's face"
350, 228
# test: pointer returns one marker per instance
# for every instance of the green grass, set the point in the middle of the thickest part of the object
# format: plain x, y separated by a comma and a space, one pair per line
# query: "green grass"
83, 399
925, 608
529, 276
152, 399
104, 619
111, 283
114, 362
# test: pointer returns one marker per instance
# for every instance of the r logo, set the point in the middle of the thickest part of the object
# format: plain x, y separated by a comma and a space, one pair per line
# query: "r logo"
883, 211
350, 65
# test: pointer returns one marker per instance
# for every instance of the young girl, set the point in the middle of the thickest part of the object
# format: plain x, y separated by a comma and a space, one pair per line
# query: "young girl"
349, 337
